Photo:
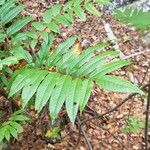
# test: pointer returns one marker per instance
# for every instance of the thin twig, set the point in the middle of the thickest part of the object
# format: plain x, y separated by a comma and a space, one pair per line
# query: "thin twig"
79, 137
147, 70
84, 134
90, 111
147, 119
136, 54
81, 130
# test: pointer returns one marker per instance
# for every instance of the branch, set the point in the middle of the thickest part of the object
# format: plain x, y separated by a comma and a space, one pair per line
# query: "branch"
147, 119
84, 134
136, 54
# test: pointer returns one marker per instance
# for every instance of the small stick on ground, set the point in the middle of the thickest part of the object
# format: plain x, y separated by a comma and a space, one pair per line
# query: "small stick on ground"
147, 120
112, 38
146, 73
136, 54
84, 134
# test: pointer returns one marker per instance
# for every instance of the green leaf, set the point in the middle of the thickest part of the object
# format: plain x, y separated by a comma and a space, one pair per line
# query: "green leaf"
54, 27
40, 26
32, 34
90, 52
43, 53
30, 89
3, 79
78, 95
96, 48
2, 37
19, 118
112, 66
45, 89
5, 7
2, 134
70, 106
47, 16
68, 5
87, 86
80, 13
77, 2
116, 84
69, 16
90, 66
56, 9
133, 125
7, 134
89, 7
44, 36
62, 20
19, 38
52, 12
13, 77
20, 53
21, 80
2, 2
33, 43
18, 25
95, 63
17, 126
58, 97
65, 60
63, 94
103, 2
8, 61
66, 44
18, 112
134, 16
13, 132
12, 14
86, 57
61, 49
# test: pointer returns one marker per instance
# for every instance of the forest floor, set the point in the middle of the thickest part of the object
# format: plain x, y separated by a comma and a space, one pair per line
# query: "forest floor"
104, 133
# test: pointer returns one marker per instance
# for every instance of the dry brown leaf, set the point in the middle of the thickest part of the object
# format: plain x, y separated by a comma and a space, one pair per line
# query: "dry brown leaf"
77, 48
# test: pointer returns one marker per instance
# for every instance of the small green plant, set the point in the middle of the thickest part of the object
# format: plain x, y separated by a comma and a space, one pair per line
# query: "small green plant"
133, 125
10, 37
58, 77
136, 17
10, 25
53, 134
66, 77
12, 127
63, 15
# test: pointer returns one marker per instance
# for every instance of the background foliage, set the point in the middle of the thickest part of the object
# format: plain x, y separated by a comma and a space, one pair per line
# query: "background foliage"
58, 77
